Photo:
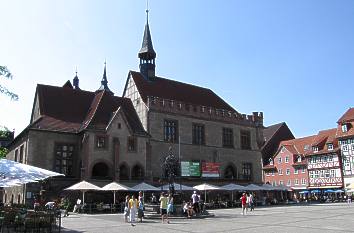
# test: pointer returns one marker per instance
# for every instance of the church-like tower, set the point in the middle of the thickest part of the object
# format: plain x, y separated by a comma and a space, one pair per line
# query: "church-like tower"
104, 82
147, 54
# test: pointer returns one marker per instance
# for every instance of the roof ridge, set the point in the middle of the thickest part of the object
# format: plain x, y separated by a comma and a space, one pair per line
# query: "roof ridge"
193, 85
74, 90
96, 107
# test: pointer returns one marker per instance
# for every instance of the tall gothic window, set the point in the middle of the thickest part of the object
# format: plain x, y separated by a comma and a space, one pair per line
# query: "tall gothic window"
132, 144
198, 134
245, 140
170, 131
64, 154
227, 137
247, 171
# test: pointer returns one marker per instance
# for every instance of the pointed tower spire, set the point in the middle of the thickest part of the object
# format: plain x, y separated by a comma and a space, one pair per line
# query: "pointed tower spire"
76, 81
104, 82
147, 54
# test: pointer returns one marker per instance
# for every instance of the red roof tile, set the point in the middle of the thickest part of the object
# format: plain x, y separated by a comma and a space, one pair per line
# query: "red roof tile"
173, 90
68, 110
347, 116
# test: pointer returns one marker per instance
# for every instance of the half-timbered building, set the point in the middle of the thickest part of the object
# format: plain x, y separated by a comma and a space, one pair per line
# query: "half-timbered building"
345, 136
323, 161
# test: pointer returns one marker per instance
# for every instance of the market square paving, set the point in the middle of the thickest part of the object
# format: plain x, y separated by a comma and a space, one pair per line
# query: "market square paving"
336, 217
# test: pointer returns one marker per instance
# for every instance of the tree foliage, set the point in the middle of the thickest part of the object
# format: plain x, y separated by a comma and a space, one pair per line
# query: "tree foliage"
4, 72
3, 152
4, 133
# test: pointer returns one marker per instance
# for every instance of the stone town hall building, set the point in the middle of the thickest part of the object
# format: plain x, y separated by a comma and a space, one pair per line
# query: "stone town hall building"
99, 136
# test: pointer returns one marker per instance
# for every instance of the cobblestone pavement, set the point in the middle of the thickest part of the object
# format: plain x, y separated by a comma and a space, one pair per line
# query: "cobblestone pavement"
338, 217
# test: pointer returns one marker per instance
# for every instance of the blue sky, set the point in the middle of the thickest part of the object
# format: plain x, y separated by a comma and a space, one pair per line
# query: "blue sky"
293, 60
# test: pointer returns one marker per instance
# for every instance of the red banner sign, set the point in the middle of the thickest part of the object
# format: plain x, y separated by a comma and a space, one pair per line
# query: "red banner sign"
210, 169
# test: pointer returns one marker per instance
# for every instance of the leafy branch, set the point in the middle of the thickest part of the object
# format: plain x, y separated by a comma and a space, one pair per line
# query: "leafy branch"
4, 72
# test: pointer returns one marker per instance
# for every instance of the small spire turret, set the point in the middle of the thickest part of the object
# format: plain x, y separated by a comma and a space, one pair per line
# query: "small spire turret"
76, 81
104, 82
147, 54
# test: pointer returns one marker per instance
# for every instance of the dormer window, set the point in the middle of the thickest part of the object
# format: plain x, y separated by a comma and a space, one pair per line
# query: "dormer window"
344, 128
299, 159
315, 148
282, 149
270, 161
330, 146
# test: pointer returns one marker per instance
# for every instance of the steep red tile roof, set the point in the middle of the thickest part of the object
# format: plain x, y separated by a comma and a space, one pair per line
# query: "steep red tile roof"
68, 110
347, 116
65, 104
299, 145
52, 124
173, 90
349, 134
303, 146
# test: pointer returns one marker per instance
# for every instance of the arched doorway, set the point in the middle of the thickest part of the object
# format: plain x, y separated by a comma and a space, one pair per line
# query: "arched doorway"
230, 172
100, 171
137, 172
123, 172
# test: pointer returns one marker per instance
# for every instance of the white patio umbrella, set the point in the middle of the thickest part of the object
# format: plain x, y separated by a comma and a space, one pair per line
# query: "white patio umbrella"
84, 187
178, 187
204, 187
114, 186
252, 187
233, 187
13, 173
144, 187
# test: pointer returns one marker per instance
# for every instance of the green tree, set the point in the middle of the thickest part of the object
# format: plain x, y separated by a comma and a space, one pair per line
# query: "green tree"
4, 72
4, 133
3, 152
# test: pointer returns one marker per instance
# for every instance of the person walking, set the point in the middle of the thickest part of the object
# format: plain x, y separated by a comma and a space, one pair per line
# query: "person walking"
141, 206
133, 205
243, 203
126, 208
77, 207
195, 200
251, 202
170, 204
163, 208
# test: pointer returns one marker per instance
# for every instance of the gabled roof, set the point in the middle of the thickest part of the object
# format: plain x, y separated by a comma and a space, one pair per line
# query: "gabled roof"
270, 131
178, 91
298, 146
347, 116
71, 111
323, 138
348, 119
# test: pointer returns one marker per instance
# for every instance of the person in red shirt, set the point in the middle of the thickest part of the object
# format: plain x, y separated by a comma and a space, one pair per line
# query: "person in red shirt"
243, 203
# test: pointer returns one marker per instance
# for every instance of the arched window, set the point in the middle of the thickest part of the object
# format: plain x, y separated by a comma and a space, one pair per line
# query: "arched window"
137, 172
100, 171
230, 172
19, 199
123, 172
